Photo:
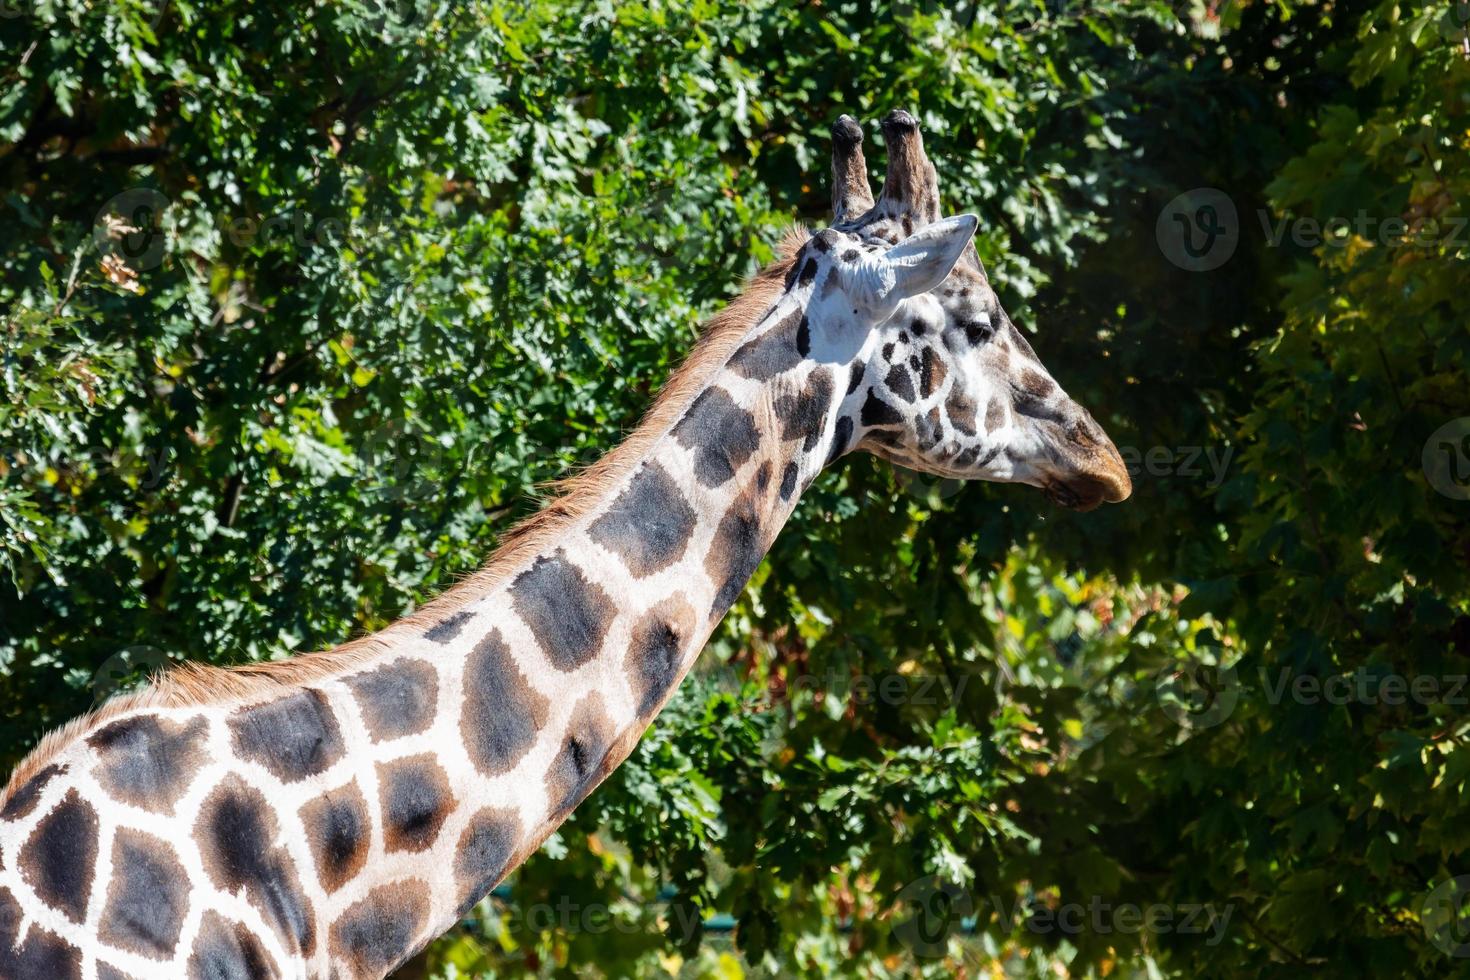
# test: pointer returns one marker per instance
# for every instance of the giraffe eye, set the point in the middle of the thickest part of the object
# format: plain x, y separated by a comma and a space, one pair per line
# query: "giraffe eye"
979, 330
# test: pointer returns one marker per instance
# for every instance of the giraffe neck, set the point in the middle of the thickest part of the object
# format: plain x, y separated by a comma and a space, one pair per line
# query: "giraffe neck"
546, 682
329, 821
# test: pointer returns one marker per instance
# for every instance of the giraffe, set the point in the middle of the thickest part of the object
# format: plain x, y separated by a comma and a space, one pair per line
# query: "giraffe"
328, 815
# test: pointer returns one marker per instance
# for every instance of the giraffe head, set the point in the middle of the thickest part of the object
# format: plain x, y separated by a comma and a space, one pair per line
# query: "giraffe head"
941, 380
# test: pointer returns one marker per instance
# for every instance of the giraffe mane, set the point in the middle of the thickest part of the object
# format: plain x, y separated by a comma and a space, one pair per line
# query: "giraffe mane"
195, 685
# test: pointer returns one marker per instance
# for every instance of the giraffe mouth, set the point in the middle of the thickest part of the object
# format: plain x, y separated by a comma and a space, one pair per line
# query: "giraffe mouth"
1081, 495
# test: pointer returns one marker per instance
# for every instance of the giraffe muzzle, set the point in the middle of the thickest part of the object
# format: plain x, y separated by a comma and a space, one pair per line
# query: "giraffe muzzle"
1093, 470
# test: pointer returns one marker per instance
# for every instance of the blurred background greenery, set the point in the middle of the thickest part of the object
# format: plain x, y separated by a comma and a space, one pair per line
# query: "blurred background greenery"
301, 303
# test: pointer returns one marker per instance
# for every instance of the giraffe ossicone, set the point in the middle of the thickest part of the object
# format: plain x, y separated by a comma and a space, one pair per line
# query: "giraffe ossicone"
329, 815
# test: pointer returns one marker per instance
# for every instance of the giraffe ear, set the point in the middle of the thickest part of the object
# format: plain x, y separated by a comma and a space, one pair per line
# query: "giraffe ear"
924, 259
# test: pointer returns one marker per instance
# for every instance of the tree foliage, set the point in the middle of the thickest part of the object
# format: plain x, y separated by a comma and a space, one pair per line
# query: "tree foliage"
302, 305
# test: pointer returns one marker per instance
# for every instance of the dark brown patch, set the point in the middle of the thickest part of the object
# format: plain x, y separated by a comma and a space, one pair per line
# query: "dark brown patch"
773, 352
567, 613
1037, 384
961, 411
931, 373
720, 433
339, 832
878, 412
578, 766
804, 415
484, 852
448, 628
899, 382
226, 950
24, 799
378, 933
147, 898
930, 430
293, 737
788, 475
502, 712
60, 859
656, 653
995, 415
736, 552
43, 956
236, 834
149, 761
648, 525
415, 799
841, 437
396, 699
